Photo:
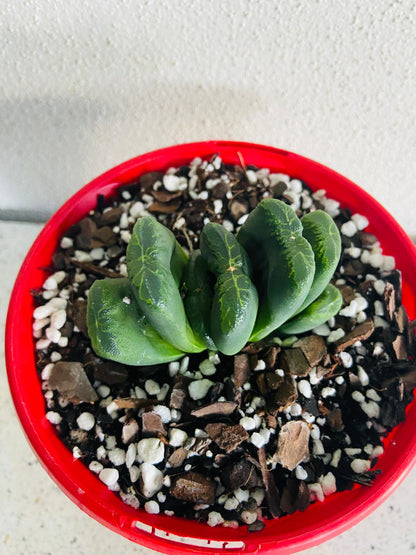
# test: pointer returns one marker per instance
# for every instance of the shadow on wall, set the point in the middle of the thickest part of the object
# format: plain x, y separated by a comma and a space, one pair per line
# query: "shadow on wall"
50, 147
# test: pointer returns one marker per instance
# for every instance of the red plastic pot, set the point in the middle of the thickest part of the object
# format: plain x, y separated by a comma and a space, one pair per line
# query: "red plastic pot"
319, 522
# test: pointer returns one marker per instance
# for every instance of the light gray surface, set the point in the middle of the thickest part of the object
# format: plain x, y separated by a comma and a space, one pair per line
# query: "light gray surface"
86, 85
38, 519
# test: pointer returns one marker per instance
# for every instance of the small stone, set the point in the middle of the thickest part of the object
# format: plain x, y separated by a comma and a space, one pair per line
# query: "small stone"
151, 479
109, 476
86, 421
150, 450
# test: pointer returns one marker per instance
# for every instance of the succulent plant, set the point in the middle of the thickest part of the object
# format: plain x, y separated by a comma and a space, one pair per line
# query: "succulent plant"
273, 277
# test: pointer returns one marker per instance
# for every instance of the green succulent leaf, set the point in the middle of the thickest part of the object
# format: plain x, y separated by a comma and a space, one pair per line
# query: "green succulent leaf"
198, 289
155, 262
283, 263
118, 329
328, 304
235, 302
322, 233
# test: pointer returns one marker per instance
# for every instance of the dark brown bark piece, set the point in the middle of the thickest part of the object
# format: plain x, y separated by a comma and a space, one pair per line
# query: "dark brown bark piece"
334, 419
237, 474
274, 381
79, 315
162, 208
401, 319
111, 373
347, 292
241, 370
294, 362
109, 217
70, 379
227, 437
152, 424
220, 407
193, 487
313, 347
237, 208
270, 357
390, 300
164, 196
399, 346
90, 268
359, 333
284, 396
272, 493
293, 444
177, 457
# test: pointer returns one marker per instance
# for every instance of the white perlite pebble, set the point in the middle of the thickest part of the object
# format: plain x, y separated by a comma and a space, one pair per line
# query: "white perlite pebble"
177, 437
258, 439
315, 432
134, 473
304, 387
43, 311
373, 395
261, 365
379, 286
229, 226
95, 466
163, 412
199, 388
350, 310
152, 387
377, 451
103, 391
152, 507
328, 392
152, 479
76, 452
171, 183
358, 396
301, 473
150, 450
117, 456
349, 228
328, 484
137, 209
363, 376
109, 476
67, 243
346, 359
58, 319
352, 451
360, 221
39, 324
207, 367
248, 423
378, 308
336, 458
46, 372
248, 517
316, 492
318, 447
360, 465
322, 330
361, 303
54, 417
231, 504
295, 409
86, 421
53, 334
131, 455
389, 263
214, 519
371, 409
335, 335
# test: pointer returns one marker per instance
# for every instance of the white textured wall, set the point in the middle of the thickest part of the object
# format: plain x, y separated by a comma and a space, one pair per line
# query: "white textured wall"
86, 85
